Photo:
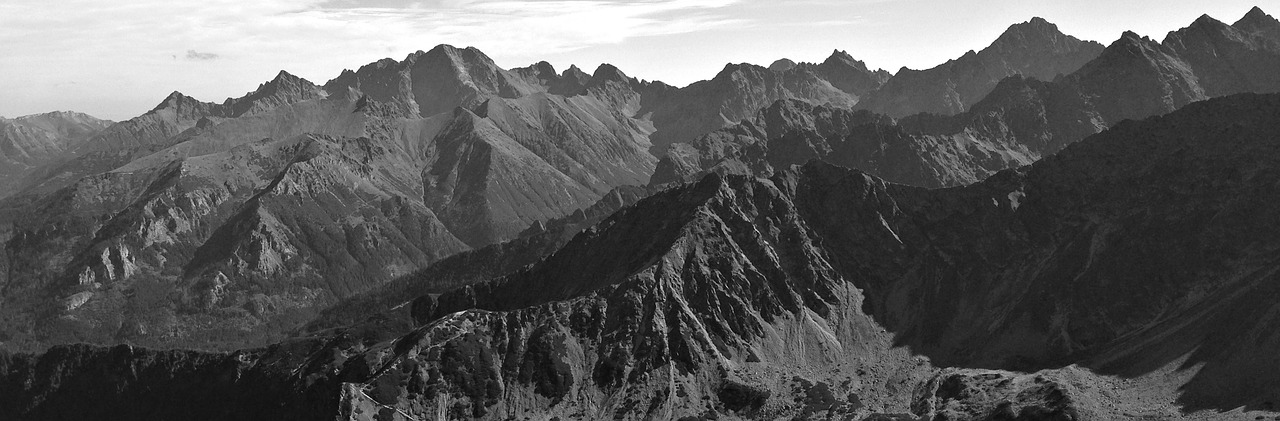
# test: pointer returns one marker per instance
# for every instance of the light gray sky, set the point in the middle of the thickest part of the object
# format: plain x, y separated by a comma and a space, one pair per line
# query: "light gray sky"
117, 59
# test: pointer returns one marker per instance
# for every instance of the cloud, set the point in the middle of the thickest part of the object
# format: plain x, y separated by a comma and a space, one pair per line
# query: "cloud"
195, 55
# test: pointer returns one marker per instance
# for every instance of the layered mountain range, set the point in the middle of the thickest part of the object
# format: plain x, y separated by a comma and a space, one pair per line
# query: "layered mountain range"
1127, 276
1020, 119
642, 250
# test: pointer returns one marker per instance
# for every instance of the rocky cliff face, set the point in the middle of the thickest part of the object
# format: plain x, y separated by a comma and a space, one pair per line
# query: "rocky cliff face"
1033, 49
824, 292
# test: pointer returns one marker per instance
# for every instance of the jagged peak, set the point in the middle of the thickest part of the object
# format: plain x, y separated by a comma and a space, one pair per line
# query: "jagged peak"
1132, 38
282, 81
283, 78
174, 99
575, 72
843, 57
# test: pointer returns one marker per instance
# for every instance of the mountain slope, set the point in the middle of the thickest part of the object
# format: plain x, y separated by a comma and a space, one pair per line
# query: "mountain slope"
245, 224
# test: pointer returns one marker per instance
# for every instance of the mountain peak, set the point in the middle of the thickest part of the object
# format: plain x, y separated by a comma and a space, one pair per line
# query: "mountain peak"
1132, 37
284, 75
285, 88
608, 72
443, 49
545, 67
576, 73
841, 56
1038, 30
782, 65
1206, 20
1256, 13
1258, 21
174, 99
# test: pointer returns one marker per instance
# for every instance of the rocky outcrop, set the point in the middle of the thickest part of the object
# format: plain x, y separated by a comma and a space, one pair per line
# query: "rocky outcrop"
1032, 49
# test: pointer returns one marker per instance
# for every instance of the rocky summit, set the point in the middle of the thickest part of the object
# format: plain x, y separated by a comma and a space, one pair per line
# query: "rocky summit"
1044, 229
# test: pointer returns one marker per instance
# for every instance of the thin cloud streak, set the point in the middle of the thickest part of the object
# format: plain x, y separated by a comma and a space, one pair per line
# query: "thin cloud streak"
196, 55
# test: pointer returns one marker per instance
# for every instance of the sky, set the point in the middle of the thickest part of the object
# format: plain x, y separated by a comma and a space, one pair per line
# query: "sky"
117, 59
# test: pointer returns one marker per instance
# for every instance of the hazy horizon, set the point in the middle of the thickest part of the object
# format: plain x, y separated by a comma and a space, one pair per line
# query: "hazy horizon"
117, 60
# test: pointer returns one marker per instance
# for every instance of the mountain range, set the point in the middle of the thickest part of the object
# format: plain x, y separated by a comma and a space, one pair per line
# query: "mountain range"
1019, 120
1047, 228
1060, 290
